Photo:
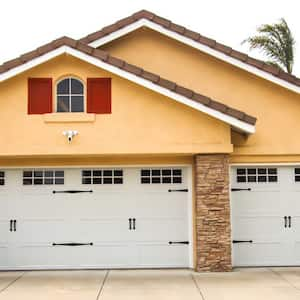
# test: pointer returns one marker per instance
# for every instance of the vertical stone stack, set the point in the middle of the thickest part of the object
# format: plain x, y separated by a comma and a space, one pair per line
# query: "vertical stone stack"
213, 227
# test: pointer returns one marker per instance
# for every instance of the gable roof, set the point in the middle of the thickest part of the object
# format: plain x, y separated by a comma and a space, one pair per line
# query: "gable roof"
194, 39
235, 118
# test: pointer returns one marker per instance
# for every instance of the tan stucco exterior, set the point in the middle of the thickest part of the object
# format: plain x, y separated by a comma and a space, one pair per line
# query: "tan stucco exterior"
276, 108
142, 122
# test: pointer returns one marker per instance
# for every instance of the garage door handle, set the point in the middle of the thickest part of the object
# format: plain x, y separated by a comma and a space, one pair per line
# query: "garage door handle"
285, 221
178, 190
241, 241
72, 191
133, 223
237, 189
130, 226
72, 244
10, 225
180, 243
290, 221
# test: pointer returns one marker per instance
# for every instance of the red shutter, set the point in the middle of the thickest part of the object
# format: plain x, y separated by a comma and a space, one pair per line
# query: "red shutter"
99, 95
39, 95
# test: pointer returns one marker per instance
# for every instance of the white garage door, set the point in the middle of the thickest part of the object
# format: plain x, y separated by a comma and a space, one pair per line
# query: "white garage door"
94, 218
265, 205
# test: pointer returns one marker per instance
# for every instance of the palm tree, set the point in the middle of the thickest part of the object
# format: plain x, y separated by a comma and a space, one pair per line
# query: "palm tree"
276, 42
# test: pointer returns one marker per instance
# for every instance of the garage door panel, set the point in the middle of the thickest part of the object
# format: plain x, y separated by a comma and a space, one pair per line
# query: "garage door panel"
258, 254
258, 229
45, 219
163, 255
161, 229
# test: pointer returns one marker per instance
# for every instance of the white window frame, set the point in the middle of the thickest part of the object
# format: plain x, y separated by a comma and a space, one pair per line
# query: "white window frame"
69, 95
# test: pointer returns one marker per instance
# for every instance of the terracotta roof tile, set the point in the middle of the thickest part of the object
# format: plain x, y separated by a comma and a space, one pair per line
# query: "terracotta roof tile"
116, 62
144, 14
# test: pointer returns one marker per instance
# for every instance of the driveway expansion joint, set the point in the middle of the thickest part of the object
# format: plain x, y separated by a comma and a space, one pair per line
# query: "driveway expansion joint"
12, 282
197, 287
283, 278
102, 285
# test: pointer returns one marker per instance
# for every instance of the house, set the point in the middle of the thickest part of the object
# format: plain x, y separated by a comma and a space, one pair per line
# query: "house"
147, 145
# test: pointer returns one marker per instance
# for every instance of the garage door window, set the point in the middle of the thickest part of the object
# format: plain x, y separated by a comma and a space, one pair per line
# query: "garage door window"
43, 177
149, 176
2, 177
297, 174
257, 175
101, 176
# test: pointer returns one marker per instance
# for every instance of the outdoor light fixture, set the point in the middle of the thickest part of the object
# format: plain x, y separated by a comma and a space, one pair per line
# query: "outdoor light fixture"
70, 134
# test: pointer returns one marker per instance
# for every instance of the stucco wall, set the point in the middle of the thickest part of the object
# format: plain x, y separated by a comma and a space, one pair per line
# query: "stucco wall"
142, 121
276, 108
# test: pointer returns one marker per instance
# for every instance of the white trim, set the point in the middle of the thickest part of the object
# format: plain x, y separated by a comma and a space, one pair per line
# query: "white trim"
265, 164
144, 22
246, 127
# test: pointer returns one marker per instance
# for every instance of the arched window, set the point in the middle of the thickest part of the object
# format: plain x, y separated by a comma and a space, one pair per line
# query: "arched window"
70, 95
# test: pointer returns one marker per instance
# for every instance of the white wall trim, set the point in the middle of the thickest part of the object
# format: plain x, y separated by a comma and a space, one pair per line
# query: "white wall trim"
217, 54
265, 164
246, 127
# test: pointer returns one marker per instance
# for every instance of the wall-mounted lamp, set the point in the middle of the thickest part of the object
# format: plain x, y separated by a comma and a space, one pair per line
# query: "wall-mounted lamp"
70, 134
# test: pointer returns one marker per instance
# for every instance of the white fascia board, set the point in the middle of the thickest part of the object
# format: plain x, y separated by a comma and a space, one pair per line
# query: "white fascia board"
194, 44
248, 128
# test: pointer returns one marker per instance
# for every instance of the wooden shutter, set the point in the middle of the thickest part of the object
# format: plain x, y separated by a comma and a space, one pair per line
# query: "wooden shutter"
99, 95
39, 95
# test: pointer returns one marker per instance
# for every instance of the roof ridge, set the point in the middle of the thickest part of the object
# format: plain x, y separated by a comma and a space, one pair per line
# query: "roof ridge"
195, 36
133, 69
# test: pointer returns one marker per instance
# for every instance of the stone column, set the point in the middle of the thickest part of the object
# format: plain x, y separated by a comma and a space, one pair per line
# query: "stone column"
213, 231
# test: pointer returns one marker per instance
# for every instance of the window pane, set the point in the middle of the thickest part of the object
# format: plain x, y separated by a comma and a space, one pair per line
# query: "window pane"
49, 173
145, 172
86, 173
166, 172
77, 104
166, 180
62, 103
251, 178
273, 178
118, 173
1, 181
241, 171
97, 173
155, 179
155, 172
38, 181
86, 181
297, 170
107, 173
262, 171
63, 87
48, 181
177, 180
145, 180
97, 180
27, 181
272, 171
241, 179
297, 178
59, 181
27, 174
118, 180
59, 173
76, 87
1, 174
262, 178
177, 172
251, 171
38, 173
107, 180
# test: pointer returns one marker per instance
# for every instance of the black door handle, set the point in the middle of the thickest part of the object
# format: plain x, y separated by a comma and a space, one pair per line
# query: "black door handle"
130, 226
15, 225
285, 221
133, 223
10, 225
290, 221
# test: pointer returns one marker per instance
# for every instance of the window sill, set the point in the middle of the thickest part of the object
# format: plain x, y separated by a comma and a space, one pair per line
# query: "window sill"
69, 118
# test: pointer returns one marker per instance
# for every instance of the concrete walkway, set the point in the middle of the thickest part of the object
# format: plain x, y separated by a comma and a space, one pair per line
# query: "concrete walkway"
262, 283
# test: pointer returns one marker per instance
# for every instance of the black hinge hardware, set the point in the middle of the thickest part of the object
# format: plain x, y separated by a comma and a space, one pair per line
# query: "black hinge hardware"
237, 189
71, 192
130, 225
12, 225
179, 190
72, 244
241, 241
180, 242
133, 227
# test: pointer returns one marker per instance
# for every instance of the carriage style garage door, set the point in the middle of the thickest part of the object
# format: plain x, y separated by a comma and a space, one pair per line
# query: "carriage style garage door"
265, 205
94, 218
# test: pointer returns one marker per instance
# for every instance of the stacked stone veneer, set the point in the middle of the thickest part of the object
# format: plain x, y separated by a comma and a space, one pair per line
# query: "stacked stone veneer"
213, 231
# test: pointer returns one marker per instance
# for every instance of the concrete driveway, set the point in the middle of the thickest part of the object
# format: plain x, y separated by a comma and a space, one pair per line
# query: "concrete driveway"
263, 283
